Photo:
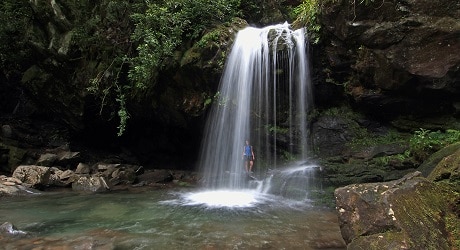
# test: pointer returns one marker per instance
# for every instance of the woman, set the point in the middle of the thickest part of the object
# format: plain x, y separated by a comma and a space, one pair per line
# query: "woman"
248, 157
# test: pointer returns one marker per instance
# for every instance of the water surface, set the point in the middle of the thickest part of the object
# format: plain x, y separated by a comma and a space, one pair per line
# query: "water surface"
165, 219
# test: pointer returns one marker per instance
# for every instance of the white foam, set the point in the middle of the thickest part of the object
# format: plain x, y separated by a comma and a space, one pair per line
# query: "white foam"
223, 198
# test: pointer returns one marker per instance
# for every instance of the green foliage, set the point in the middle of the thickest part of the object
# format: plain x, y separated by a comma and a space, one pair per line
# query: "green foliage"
288, 156
276, 129
102, 35
159, 32
208, 100
425, 142
167, 24
134, 41
364, 139
385, 160
307, 16
152, 32
16, 14
211, 37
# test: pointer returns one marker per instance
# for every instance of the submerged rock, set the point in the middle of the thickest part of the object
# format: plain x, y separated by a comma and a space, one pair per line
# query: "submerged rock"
9, 229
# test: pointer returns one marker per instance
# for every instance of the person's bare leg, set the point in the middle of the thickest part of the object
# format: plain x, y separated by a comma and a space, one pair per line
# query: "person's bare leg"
250, 166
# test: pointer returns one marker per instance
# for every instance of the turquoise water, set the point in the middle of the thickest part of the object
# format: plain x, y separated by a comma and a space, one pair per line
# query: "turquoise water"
166, 219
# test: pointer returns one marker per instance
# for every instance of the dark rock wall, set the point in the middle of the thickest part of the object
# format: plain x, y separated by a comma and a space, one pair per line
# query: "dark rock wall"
394, 57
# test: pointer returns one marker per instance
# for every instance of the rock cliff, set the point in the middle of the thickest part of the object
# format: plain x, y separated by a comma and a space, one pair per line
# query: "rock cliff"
396, 57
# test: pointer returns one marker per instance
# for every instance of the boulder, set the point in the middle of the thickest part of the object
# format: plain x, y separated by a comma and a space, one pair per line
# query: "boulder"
408, 213
83, 169
117, 173
68, 159
92, 183
47, 159
32, 175
63, 158
10, 186
61, 178
434, 166
448, 170
122, 176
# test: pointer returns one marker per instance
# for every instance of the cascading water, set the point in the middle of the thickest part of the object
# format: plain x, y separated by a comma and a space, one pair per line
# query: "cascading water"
264, 92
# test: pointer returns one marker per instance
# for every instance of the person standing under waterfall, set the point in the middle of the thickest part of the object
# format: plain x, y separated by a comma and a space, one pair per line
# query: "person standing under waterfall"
248, 157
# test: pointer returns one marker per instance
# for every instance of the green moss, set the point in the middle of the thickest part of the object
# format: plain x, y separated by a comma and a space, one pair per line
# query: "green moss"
422, 216
384, 240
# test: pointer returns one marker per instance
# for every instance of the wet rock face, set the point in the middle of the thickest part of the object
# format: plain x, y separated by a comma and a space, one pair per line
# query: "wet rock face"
407, 213
403, 55
330, 135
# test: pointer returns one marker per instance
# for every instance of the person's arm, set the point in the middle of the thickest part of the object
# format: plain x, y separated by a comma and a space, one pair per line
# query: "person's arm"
253, 156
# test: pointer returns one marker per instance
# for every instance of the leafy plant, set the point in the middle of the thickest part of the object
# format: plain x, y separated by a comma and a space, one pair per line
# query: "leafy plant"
425, 142
276, 129
13, 52
307, 16
385, 160
288, 156
102, 35
165, 25
209, 38
123, 111
364, 139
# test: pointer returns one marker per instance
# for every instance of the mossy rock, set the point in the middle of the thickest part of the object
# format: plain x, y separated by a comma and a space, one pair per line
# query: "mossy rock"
409, 213
433, 161
448, 169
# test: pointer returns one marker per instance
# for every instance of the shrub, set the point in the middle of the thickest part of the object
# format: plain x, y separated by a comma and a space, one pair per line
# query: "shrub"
167, 24
425, 142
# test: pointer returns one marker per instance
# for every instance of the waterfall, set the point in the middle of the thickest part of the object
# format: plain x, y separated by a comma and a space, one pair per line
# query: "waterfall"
264, 96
